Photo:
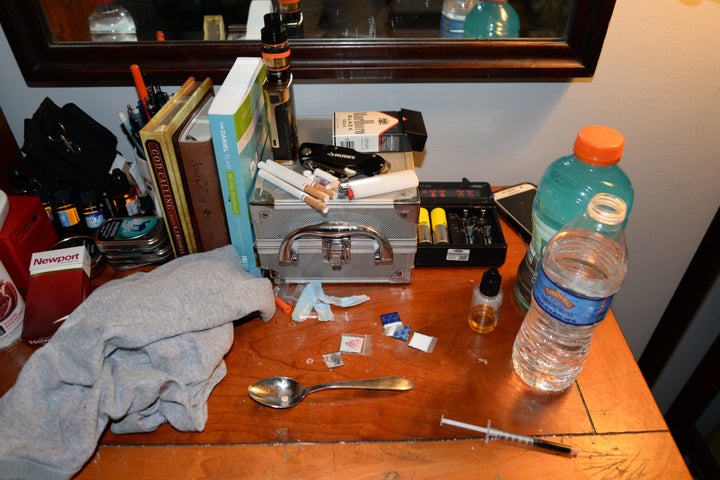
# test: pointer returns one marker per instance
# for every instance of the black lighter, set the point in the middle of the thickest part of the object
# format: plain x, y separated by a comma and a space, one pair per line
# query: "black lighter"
278, 90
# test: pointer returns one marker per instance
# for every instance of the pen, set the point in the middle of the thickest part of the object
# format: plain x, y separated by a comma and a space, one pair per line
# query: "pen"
137, 119
156, 99
130, 132
140, 87
494, 433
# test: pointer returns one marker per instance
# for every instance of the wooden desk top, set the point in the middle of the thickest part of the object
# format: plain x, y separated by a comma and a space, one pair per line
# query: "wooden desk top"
609, 415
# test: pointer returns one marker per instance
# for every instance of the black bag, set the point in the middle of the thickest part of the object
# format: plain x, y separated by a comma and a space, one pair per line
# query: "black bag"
66, 148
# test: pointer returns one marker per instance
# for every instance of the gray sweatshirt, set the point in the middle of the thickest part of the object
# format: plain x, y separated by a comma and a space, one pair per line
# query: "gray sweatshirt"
138, 352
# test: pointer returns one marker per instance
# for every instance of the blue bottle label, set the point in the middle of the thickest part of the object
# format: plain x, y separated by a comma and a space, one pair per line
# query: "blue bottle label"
94, 219
567, 307
452, 26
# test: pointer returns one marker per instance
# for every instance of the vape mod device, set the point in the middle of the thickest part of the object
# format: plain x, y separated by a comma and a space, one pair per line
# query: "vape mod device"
292, 17
278, 90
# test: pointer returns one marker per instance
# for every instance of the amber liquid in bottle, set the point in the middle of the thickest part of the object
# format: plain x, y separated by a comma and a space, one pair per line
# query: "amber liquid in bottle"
486, 302
483, 318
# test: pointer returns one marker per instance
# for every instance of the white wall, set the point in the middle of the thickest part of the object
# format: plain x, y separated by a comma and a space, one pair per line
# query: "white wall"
658, 81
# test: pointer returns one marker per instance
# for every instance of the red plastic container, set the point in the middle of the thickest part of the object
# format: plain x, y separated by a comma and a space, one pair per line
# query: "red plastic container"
27, 229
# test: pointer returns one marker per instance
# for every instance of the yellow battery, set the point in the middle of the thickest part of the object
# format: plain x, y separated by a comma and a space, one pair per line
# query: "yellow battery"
439, 226
424, 235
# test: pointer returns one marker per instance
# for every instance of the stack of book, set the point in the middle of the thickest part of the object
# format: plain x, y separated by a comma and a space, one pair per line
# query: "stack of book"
241, 139
203, 148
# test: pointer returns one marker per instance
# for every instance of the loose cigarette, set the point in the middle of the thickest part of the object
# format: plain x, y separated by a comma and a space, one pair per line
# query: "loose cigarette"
333, 181
298, 180
295, 192
288, 177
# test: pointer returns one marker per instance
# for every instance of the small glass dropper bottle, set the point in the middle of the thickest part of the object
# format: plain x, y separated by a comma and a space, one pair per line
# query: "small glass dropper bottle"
486, 302
66, 210
123, 195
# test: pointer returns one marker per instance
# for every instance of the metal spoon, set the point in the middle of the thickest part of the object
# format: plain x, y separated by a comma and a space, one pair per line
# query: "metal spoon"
285, 392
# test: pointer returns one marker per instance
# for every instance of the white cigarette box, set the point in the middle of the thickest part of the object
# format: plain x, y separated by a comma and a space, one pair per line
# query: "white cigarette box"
401, 131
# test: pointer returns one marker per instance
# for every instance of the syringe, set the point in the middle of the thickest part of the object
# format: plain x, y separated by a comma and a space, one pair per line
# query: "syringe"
495, 433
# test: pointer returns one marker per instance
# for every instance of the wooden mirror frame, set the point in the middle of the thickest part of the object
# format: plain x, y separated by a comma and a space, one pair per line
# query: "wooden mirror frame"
44, 63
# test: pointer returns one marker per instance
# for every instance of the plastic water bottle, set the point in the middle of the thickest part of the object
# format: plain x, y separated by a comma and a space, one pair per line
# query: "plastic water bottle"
583, 267
109, 22
565, 189
492, 19
453, 17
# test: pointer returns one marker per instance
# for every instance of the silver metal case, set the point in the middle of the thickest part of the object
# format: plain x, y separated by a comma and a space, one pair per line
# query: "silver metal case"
369, 240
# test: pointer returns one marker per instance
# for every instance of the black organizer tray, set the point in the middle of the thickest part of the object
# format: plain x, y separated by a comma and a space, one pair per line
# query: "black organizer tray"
475, 234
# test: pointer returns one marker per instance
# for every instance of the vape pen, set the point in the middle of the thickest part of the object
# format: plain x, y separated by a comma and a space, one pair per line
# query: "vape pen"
292, 18
278, 90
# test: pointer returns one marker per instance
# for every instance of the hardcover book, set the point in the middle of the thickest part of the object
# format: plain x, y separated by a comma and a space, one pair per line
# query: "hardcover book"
197, 157
157, 139
241, 139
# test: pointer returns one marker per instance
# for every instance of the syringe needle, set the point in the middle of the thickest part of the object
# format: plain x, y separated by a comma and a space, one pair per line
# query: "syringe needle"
495, 433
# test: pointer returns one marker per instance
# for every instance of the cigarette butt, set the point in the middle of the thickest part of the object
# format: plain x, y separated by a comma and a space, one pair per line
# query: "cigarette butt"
296, 192
316, 192
321, 188
316, 204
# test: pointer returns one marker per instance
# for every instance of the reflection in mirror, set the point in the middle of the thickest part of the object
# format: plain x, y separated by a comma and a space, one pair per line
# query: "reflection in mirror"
192, 20
399, 42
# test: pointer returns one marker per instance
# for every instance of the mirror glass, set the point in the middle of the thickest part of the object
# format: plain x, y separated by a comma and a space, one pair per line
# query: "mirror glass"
240, 20
340, 40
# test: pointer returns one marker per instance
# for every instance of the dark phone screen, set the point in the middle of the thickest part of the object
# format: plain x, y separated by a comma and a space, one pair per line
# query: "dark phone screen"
518, 209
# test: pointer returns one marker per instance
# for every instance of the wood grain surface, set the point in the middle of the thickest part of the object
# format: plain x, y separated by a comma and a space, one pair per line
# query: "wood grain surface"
609, 414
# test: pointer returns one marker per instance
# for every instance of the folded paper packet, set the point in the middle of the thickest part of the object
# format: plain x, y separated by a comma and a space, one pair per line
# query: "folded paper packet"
138, 352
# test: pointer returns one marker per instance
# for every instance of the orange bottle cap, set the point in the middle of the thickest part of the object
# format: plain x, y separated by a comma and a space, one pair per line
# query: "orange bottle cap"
599, 145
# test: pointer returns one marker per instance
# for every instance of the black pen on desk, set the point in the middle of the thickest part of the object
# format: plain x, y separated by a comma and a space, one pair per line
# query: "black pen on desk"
131, 133
159, 98
137, 119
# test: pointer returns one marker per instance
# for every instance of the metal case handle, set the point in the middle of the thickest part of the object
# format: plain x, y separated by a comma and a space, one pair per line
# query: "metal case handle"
336, 242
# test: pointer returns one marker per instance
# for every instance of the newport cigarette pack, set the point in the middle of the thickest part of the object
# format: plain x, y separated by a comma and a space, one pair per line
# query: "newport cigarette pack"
401, 131
59, 282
